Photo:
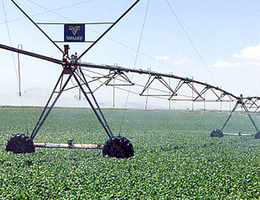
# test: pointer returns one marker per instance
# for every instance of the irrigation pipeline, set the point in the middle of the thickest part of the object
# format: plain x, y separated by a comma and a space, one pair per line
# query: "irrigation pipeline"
240, 100
147, 72
118, 69
77, 4
16, 73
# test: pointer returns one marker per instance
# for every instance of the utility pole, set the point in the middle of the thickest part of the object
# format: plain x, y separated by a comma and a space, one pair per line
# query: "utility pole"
170, 91
114, 90
146, 101
192, 96
20, 46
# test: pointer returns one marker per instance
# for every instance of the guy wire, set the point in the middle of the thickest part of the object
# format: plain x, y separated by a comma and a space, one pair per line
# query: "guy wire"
16, 73
190, 41
137, 53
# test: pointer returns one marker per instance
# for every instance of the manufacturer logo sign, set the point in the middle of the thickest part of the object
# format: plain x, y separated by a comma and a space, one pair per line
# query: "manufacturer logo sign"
74, 32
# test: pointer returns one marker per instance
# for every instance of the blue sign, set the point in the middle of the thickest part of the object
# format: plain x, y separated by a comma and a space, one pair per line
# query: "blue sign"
74, 32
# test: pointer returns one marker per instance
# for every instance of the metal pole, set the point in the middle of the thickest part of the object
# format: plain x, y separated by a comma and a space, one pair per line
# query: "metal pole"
250, 117
97, 109
114, 104
28, 53
36, 25
204, 102
47, 109
133, 5
114, 90
170, 92
79, 61
192, 94
146, 101
220, 109
20, 46
79, 94
235, 107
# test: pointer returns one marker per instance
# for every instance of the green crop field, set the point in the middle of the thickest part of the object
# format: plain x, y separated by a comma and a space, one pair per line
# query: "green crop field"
175, 157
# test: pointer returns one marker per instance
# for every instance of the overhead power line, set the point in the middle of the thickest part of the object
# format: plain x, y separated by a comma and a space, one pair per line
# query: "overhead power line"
192, 44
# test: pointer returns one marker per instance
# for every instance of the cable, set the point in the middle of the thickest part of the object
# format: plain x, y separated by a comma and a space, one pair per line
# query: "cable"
190, 40
53, 11
137, 52
142, 53
139, 85
47, 10
10, 42
141, 36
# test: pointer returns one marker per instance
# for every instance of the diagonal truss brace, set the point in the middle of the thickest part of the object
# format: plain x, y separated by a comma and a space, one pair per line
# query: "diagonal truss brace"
117, 73
93, 43
219, 97
150, 80
68, 73
193, 87
112, 75
252, 103
240, 102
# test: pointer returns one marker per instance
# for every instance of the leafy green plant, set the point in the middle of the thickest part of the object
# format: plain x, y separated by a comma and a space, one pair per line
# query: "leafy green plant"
175, 157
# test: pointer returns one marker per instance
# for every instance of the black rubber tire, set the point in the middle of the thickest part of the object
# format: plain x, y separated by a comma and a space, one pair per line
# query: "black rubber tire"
216, 133
118, 147
20, 143
257, 135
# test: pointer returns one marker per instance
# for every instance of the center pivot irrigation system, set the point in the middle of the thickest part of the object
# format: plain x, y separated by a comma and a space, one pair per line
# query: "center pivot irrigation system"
72, 69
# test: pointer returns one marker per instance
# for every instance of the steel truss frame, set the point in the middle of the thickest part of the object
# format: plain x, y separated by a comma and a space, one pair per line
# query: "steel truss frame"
252, 103
199, 88
240, 103
72, 69
68, 73
246, 103
114, 75
118, 146
112, 24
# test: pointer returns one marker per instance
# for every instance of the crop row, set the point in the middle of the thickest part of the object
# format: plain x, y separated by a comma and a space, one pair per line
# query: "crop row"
175, 157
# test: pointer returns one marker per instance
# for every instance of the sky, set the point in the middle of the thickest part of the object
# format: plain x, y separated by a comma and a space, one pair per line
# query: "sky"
217, 42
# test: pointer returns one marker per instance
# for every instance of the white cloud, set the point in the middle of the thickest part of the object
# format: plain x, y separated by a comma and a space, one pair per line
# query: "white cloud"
251, 52
222, 63
162, 58
254, 63
184, 60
